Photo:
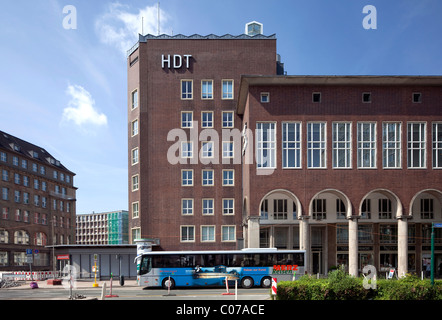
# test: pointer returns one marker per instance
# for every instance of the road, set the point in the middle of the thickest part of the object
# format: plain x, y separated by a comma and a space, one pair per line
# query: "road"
130, 291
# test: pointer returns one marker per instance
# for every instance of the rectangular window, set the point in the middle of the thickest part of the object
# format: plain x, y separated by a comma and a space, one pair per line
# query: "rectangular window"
228, 233
186, 119
5, 194
291, 145
135, 182
416, 150
385, 209
366, 145
207, 178
207, 233
187, 233
391, 142
265, 97
227, 89
207, 149
264, 215
228, 149
366, 209
134, 99
280, 209
319, 209
228, 206
316, 145
134, 128
342, 145
187, 177
134, 156
427, 209
437, 145
207, 119
186, 149
340, 209
135, 209
186, 89
186, 206
208, 207
227, 118
266, 144
228, 177
207, 89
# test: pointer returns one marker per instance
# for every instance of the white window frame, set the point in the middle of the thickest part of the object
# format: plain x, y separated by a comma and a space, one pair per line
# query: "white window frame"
207, 149
135, 182
186, 93
135, 209
392, 146
206, 89
229, 123
229, 180
266, 149
134, 102
187, 207
135, 154
437, 145
134, 128
205, 122
185, 180
342, 148
228, 93
231, 231
417, 148
208, 233
208, 206
228, 149
186, 149
291, 146
265, 97
228, 206
317, 148
185, 121
367, 146
190, 235
206, 181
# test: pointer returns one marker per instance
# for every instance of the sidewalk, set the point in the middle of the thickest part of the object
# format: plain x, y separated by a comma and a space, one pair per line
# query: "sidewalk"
80, 284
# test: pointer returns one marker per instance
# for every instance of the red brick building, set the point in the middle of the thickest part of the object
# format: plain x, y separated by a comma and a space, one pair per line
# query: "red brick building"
188, 86
347, 168
227, 152
37, 204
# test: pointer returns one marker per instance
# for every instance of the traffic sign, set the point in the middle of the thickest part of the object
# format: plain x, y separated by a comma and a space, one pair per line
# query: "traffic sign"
28, 251
437, 225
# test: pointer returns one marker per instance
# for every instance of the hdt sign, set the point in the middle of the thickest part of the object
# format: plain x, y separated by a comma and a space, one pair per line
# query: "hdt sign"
175, 61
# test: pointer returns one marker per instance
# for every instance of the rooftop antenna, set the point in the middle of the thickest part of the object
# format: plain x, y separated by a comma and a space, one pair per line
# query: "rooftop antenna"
158, 18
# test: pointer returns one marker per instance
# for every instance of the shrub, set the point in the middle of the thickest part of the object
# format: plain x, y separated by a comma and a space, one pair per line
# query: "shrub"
341, 286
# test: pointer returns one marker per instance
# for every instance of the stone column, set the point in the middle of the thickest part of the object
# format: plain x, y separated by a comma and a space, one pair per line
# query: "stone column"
402, 246
304, 243
353, 246
253, 232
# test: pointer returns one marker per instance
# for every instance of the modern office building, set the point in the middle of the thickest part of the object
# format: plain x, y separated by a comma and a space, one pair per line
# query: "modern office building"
226, 151
37, 204
102, 228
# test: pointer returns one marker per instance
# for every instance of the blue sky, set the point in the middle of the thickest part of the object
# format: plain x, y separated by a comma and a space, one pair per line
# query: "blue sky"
65, 89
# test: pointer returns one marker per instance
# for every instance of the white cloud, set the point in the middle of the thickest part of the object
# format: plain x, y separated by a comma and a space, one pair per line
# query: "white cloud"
120, 28
81, 110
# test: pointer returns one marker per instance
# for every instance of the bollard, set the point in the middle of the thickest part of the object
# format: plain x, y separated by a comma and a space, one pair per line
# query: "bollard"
227, 288
103, 291
111, 295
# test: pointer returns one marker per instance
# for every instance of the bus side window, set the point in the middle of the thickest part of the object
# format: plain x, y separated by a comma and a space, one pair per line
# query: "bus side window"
146, 265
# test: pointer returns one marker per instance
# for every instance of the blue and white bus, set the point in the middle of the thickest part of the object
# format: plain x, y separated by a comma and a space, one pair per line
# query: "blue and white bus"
250, 267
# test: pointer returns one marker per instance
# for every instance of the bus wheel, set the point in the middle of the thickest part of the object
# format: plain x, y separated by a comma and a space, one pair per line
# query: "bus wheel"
166, 284
247, 282
266, 282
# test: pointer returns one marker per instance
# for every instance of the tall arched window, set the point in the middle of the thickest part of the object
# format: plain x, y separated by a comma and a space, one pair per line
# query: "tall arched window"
40, 239
21, 237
